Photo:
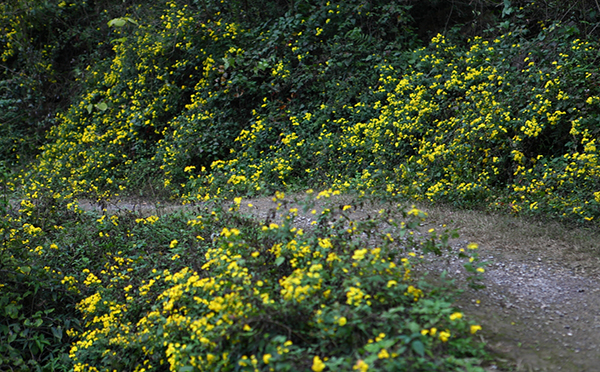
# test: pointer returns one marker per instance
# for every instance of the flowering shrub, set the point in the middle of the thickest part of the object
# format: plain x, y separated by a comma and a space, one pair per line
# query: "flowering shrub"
277, 296
210, 100
36, 306
201, 75
213, 289
453, 124
199, 105
45, 48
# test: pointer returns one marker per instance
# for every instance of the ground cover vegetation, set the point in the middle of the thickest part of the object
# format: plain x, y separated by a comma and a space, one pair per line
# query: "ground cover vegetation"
213, 289
488, 104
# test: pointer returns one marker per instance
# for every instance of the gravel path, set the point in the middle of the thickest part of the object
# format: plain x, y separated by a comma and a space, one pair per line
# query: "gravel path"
538, 316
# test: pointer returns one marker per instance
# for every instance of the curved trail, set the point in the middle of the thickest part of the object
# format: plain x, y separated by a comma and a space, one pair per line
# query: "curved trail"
540, 310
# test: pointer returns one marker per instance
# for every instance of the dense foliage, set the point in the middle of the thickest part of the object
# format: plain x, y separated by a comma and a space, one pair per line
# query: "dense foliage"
201, 103
484, 103
212, 289
45, 47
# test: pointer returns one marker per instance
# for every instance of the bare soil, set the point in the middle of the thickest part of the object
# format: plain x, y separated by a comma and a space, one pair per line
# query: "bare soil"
540, 310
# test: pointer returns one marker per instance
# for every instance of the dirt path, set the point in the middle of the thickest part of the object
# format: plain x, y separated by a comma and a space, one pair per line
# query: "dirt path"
540, 309
541, 304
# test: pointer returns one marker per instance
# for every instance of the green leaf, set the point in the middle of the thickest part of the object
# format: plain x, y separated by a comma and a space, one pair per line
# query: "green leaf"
469, 267
117, 22
414, 327
186, 369
279, 260
372, 348
101, 106
386, 344
228, 62
89, 108
119, 40
263, 65
41, 343
57, 332
418, 347
130, 20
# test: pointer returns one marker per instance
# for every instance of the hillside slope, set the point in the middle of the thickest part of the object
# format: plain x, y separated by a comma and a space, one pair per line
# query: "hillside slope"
201, 102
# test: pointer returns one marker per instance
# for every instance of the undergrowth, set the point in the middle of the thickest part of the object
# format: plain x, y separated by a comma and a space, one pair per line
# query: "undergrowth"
206, 101
214, 289
329, 95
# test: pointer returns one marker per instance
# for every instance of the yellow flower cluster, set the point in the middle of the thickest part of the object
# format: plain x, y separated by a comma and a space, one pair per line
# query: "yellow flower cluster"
240, 289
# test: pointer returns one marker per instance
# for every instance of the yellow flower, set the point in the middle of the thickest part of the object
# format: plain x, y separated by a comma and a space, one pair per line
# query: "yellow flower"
173, 243
266, 358
472, 246
456, 316
475, 328
361, 366
325, 243
342, 321
359, 254
383, 354
318, 364
480, 269
444, 336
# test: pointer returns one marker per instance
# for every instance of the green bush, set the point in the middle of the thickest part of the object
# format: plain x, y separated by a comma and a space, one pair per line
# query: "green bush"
507, 123
35, 307
276, 296
325, 95
125, 292
181, 87
45, 48
48, 248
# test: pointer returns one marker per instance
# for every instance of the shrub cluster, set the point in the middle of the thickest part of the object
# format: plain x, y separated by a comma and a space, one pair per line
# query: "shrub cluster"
200, 74
212, 289
194, 103
45, 47
507, 123
211, 99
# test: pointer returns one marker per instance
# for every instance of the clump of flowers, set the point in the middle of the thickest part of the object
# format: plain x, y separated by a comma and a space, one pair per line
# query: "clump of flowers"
270, 296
